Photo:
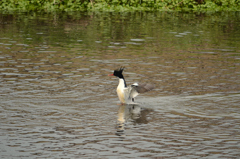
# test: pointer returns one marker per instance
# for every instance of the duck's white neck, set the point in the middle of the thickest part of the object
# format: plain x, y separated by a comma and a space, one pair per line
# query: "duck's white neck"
122, 83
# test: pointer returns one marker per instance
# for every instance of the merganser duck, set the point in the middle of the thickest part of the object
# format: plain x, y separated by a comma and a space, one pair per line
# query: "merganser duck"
127, 94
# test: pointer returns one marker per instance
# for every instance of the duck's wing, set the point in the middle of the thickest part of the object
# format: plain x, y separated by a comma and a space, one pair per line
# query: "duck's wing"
137, 88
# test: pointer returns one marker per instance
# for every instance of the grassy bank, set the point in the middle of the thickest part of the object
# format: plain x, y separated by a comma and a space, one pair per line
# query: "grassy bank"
120, 5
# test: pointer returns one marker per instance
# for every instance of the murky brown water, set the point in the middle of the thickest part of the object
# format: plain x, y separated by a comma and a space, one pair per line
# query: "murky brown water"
56, 100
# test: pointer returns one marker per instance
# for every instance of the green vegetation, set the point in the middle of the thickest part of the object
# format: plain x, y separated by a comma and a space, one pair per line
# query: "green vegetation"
120, 5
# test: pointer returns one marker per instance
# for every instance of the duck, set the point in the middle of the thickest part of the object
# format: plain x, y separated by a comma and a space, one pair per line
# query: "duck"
126, 94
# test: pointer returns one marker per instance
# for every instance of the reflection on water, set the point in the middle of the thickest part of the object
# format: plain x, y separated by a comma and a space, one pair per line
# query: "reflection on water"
56, 100
132, 112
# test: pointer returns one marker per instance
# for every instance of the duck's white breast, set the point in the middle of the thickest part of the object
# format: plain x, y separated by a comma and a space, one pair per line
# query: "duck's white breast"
120, 90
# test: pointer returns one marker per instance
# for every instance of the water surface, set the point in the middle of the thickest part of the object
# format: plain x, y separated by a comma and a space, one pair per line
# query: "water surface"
56, 100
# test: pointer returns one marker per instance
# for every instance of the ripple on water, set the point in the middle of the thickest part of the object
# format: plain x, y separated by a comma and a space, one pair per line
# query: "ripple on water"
137, 40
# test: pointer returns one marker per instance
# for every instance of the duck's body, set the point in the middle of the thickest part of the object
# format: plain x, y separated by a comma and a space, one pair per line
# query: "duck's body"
121, 89
127, 94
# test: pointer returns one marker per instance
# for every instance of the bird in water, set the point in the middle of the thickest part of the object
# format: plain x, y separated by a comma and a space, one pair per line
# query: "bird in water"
127, 94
